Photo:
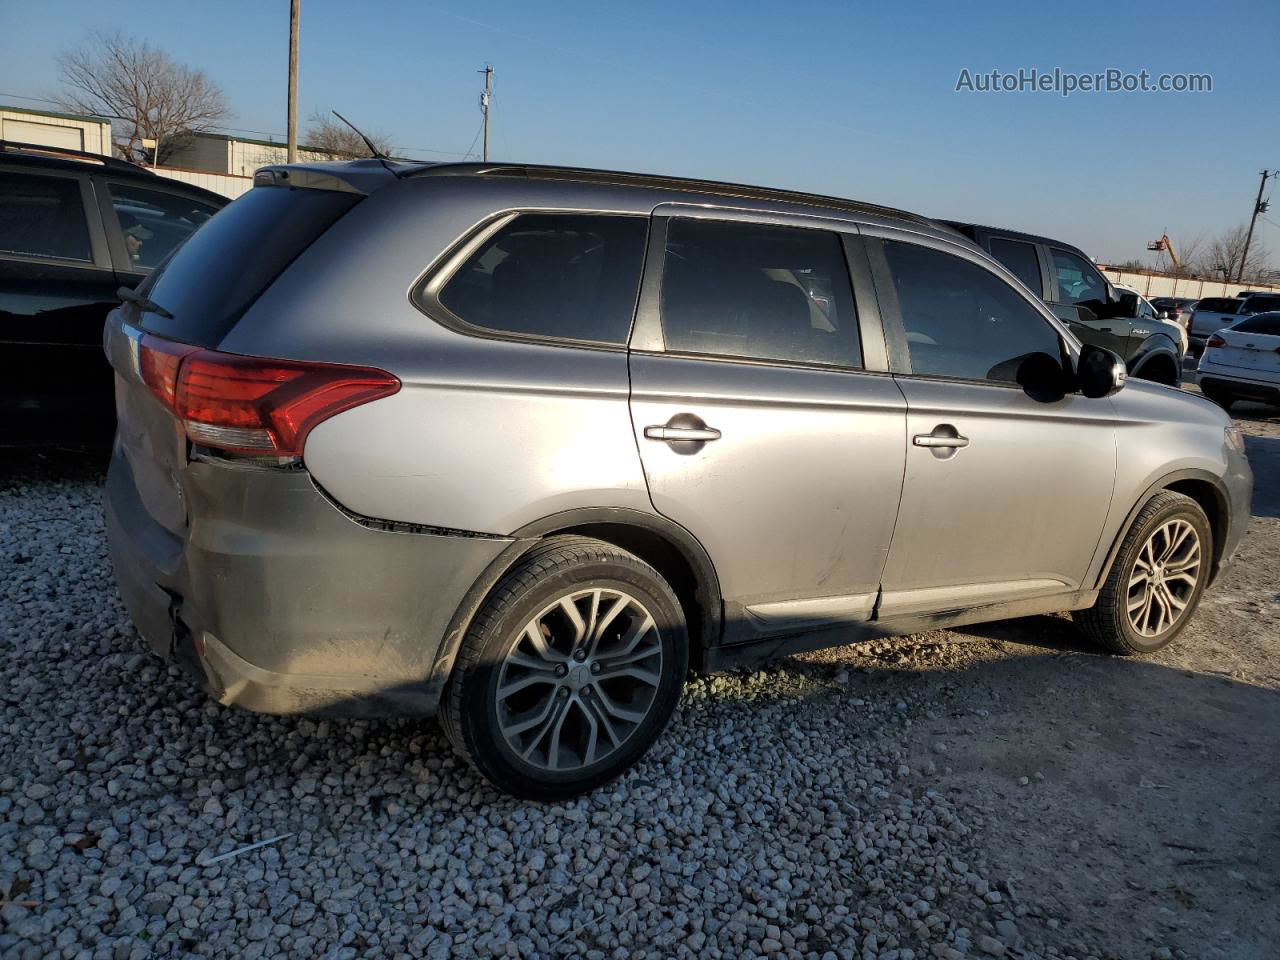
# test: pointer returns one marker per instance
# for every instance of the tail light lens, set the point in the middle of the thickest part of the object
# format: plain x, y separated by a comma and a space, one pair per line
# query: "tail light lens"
1215, 341
254, 405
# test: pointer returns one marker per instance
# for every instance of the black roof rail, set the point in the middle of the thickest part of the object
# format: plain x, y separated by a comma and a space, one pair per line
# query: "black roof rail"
64, 153
661, 182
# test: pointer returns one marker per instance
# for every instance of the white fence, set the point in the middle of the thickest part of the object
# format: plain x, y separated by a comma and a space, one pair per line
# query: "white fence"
1157, 286
226, 184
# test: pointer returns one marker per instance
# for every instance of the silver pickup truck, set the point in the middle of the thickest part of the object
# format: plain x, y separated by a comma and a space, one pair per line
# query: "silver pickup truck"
1214, 313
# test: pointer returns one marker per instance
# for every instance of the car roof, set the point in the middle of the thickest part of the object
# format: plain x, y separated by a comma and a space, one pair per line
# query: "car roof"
970, 230
368, 175
55, 158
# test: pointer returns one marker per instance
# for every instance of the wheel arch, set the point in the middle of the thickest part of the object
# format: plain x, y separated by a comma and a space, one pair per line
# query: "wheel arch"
1201, 486
666, 546
1158, 364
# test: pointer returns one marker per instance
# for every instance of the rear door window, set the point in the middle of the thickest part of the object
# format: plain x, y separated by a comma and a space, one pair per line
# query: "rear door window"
1022, 261
1219, 305
562, 276
43, 217
155, 222
755, 291
1077, 281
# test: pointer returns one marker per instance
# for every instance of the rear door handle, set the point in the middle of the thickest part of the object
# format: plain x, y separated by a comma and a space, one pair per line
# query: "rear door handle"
700, 434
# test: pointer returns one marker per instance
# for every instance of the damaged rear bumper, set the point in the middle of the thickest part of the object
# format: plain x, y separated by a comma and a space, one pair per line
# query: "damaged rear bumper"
277, 601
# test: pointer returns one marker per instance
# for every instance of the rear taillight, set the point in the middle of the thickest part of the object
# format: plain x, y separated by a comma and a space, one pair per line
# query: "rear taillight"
254, 405
1214, 341
158, 362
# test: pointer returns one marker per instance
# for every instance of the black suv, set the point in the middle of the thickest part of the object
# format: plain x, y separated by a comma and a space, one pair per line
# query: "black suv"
1066, 279
74, 228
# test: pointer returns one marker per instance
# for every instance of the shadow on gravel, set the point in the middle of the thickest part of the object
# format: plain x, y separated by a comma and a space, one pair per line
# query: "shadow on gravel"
1148, 815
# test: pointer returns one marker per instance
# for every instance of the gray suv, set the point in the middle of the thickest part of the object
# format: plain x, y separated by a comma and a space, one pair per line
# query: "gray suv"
523, 446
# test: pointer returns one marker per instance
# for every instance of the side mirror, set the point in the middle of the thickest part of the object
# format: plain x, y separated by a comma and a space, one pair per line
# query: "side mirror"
1099, 372
1164, 315
1128, 305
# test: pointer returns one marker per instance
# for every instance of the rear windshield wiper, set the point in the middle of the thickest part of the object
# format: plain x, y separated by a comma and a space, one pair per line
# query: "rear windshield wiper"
144, 304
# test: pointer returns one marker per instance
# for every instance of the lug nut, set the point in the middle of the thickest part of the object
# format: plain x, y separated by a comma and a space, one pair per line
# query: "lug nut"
595, 668
580, 655
561, 670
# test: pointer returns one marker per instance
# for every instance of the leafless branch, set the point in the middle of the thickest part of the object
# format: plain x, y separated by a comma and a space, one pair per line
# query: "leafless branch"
150, 95
327, 134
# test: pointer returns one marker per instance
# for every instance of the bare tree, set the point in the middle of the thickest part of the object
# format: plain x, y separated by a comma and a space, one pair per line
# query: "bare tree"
1225, 251
119, 77
1190, 251
330, 135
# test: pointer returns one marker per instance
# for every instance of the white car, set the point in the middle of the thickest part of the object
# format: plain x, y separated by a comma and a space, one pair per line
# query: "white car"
1242, 361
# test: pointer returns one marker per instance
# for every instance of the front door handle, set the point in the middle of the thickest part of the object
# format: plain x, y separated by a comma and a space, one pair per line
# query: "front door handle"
930, 440
943, 441
697, 434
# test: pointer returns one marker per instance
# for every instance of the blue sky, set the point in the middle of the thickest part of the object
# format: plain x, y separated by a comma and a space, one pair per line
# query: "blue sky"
853, 99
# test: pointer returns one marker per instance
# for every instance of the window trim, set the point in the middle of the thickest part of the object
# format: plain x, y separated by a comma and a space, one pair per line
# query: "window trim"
647, 334
111, 220
98, 248
424, 293
891, 311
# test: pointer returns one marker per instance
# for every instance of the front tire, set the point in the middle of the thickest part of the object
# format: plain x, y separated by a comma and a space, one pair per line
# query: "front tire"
1219, 396
1157, 579
569, 672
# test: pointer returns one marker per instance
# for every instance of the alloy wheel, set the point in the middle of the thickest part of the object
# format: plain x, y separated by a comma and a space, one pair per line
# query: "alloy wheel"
579, 679
1164, 577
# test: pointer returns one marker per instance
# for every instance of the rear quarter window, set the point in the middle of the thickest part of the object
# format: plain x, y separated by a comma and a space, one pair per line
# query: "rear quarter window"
550, 275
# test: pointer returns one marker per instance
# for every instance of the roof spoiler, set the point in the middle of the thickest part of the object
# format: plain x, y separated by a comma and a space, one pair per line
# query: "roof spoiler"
347, 176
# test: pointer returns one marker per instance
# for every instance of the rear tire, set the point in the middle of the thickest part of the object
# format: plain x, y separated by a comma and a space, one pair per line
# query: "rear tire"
1219, 396
1157, 579
569, 672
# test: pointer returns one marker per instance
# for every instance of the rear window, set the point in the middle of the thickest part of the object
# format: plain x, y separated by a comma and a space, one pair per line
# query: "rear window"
1219, 305
222, 268
1260, 304
1265, 323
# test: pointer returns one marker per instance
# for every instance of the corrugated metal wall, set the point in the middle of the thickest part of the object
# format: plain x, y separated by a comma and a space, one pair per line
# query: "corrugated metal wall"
225, 184
66, 133
1157, 286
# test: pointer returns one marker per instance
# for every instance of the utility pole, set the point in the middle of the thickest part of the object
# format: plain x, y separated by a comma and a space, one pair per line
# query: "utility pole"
484, 106
1258, 207
294, 15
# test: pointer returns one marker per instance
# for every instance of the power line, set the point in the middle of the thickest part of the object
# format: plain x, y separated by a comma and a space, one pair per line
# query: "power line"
270, 134
473, 141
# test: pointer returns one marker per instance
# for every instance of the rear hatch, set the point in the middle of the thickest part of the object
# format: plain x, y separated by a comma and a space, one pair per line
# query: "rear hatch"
195, 299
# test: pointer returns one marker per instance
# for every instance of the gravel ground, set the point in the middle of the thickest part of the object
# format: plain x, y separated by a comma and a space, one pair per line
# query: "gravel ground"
998, 791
